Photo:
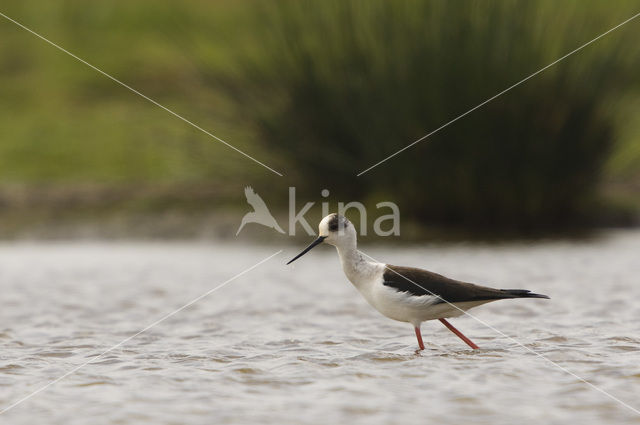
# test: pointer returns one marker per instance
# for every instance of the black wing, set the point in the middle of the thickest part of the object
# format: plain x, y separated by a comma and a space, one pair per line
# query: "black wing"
422, 282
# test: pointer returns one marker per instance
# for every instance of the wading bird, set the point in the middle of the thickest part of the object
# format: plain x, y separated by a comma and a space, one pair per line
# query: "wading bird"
406, 294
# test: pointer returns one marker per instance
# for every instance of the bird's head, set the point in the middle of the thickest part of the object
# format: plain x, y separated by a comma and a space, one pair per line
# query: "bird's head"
335, 230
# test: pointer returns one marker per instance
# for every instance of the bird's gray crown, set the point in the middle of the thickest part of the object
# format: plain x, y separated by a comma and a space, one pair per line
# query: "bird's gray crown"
337, 222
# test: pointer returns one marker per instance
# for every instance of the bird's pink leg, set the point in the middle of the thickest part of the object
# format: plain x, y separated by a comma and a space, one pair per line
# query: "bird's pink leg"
419, 336
457, 332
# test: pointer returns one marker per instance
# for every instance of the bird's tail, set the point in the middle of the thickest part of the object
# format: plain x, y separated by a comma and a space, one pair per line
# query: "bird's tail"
522, 293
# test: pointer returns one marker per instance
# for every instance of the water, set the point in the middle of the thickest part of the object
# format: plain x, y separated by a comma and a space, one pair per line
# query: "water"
298, 345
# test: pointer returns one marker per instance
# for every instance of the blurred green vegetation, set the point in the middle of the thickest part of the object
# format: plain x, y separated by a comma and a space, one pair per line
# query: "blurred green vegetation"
356, 81
321, 90
63, 122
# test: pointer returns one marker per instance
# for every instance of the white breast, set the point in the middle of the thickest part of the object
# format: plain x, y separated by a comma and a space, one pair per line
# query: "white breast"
401, 306
367, 277
405, 307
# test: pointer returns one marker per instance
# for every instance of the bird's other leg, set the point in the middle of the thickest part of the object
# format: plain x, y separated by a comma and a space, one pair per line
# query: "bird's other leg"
419, 336
457, 332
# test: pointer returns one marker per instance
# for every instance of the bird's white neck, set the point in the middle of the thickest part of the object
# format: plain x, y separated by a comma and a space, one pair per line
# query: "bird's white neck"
358, 270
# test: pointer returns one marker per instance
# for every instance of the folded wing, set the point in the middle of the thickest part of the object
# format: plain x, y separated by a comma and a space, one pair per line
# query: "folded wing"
419, 282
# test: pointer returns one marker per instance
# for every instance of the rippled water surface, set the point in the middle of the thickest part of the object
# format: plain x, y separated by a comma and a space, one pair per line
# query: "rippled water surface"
298, 345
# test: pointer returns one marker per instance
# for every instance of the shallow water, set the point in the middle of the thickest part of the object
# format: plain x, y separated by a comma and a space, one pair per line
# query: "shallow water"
298, 345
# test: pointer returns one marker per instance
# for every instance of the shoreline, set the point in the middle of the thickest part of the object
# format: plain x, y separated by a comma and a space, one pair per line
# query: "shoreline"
209, 211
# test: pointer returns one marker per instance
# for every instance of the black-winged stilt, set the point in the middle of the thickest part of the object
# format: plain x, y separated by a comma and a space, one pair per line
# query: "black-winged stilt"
406, 294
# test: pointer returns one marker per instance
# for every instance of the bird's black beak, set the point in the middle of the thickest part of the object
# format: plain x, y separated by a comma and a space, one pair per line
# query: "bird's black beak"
307, 249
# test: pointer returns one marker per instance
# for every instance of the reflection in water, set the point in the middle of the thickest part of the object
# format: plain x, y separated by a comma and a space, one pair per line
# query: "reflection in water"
291, 345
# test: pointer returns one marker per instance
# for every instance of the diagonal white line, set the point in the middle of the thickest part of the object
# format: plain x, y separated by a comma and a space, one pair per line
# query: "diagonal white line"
595, 387
140, 94
499, 94
124, 341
